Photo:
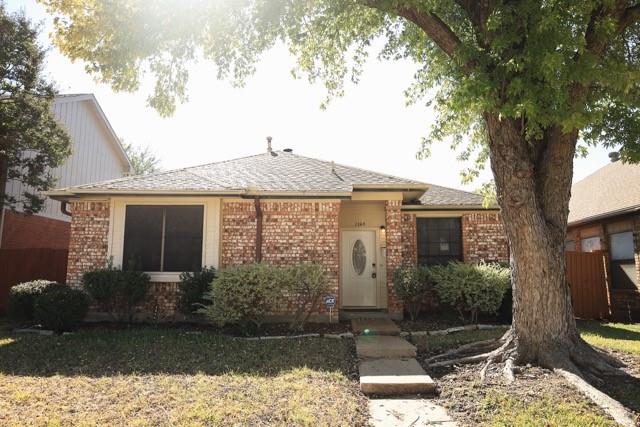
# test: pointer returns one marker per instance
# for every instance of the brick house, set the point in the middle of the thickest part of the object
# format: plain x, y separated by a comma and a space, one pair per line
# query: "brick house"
604, 215
282, 208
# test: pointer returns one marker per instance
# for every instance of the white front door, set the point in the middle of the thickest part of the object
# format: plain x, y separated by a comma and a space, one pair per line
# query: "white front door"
358, 265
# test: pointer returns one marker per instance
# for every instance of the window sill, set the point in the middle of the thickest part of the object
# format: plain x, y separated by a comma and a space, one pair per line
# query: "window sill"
161, 276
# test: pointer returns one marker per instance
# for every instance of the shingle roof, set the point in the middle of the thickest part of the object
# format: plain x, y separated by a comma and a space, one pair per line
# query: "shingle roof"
444, 196
612, 189
277, 171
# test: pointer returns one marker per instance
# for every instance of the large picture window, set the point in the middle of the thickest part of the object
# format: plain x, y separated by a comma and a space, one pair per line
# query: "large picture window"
163, 238
439, 240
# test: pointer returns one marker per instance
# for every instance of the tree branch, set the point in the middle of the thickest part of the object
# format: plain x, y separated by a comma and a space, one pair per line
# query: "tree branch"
630, 16
478, 12
441, 34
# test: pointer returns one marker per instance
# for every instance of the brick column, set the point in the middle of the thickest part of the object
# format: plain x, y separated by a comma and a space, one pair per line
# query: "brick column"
88, 240
393, 229
409, 239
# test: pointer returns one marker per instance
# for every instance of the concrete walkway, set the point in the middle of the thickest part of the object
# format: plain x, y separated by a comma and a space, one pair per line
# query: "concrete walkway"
387, 362
408, 413
388, 367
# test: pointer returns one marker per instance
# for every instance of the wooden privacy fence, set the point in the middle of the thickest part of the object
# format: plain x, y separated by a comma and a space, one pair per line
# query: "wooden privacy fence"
22, 265
587, 277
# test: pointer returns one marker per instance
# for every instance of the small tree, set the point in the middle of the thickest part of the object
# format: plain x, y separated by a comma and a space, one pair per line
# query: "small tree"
306, 284
411, 284
143, 160
471, 288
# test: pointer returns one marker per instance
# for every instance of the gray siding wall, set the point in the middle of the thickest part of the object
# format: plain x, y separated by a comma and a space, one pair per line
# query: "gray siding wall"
93, 155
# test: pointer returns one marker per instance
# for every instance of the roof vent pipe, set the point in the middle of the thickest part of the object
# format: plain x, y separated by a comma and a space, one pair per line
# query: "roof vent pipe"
269, 144
333, 166
614, 156
288, 150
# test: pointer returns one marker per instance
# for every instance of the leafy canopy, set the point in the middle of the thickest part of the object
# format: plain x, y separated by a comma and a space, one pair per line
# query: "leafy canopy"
31, 141
572, 64
143, 160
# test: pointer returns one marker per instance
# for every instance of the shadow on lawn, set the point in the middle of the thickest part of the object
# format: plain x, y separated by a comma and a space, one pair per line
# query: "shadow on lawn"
157, 351
608, 331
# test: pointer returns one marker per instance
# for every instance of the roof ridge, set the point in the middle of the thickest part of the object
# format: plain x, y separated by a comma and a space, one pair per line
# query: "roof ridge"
353, 167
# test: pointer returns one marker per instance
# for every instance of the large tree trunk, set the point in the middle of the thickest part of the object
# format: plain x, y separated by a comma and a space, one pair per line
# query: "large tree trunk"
533, 184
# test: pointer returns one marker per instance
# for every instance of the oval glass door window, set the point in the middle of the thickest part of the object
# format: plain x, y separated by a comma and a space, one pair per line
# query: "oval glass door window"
359, 257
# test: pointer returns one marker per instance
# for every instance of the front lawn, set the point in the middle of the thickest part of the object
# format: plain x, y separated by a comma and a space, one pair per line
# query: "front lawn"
614, 336
171, 377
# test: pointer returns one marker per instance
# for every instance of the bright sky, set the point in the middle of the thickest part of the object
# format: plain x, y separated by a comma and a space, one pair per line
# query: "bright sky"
371, 127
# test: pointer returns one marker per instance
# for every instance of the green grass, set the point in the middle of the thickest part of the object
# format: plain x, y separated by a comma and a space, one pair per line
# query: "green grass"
170, 377
504, 410
614, 336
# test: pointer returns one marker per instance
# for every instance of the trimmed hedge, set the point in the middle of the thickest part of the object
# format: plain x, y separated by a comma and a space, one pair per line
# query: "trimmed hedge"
22, 298
61, 308
472, 288
411, 283
116, 291
244, 295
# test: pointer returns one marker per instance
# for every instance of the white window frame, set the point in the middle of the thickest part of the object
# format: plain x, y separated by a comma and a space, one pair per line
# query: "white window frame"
210, 229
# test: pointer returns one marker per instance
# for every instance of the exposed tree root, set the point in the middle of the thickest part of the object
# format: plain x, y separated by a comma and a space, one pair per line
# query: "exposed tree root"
577, 362
611, 406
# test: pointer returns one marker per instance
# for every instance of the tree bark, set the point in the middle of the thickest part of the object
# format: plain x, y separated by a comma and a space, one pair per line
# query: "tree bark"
533, 186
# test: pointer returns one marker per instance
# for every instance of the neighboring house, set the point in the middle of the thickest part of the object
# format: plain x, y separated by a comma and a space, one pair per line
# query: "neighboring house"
282, 208
604, 215
96, 155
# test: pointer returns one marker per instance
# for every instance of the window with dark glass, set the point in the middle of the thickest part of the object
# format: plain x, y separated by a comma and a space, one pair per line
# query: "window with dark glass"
163, 238
439, 240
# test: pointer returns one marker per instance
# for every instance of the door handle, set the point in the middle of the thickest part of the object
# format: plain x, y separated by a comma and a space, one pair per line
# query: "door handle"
374, 275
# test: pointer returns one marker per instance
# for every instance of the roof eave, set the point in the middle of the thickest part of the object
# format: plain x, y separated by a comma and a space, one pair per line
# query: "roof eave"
605, 215
63, 194
394, 187
450, 208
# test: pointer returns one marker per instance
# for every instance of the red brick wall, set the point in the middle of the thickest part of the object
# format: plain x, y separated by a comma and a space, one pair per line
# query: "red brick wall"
484, 238
409, 239
292, 232
238, 233
393, 230
88, 245
33, 231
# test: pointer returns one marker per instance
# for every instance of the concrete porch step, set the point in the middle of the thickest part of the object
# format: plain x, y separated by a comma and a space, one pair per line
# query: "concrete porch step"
394, 377
384, 347
374, 327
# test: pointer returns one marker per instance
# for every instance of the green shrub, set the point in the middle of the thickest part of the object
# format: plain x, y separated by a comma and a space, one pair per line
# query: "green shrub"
471, 288
22, 298
61, 308
193, 286
116, 291
244, 295
306, 284
411, 284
